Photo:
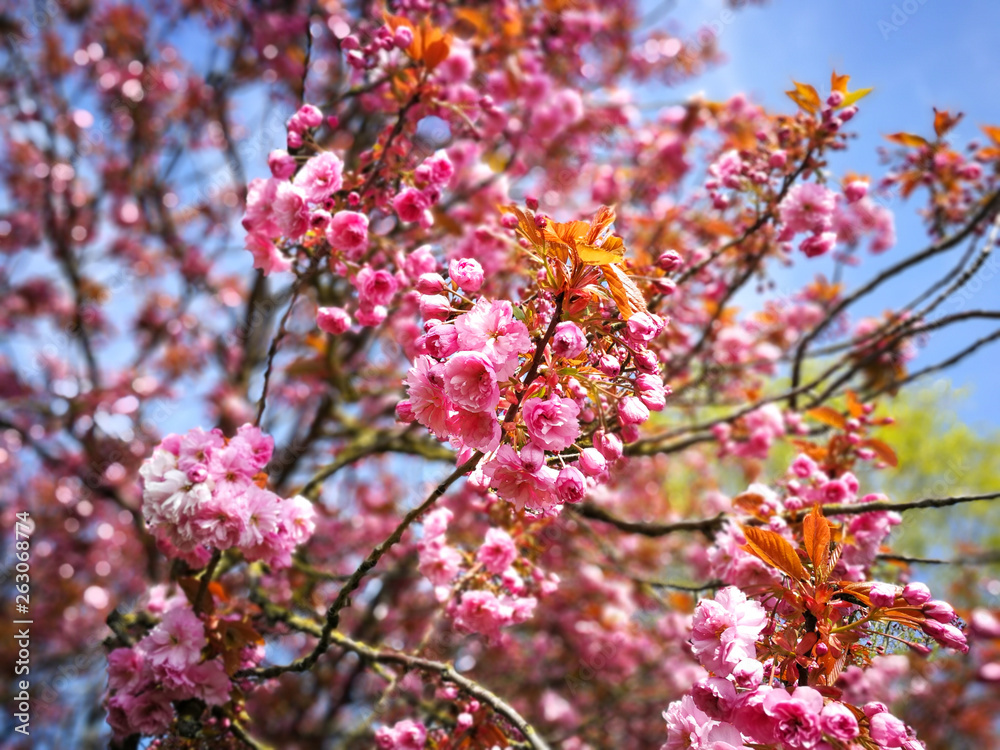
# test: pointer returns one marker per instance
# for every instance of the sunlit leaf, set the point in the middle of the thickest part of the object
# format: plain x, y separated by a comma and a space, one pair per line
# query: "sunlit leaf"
907, 139
774, 550
883, 450
829, 416
943, 121
805, 96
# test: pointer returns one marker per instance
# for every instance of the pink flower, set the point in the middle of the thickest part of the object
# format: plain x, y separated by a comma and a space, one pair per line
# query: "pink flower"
482, 612
177, 641
498, 551
839, 722
441, 340
916, 593
592, 462
808, 207
477, 430
321, 176
148, 713
490, 327
571, 485
470, 382
348, 232
375, 287
796, 716
609, 445
632, 411
938, 610
515, 483
887, 730
127, 670
643, 328
259, 216
410, 205
403, 735
882, 594
466, 273
425, 384
686, 724
333, 320
281, 164
552, 423
440, 168
724, 631
439, 562
568, 341
262, 515
290, 211
818, 244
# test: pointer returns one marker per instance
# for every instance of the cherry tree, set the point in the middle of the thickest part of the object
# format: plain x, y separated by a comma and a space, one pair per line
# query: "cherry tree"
390, 375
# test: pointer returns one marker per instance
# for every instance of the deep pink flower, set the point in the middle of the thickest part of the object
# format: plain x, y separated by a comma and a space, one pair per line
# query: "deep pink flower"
571, 485
839, 722
568, 341
348, 232
466, 273
533, 489
333, 320
375, 287
410, 205
552, 423
290, 211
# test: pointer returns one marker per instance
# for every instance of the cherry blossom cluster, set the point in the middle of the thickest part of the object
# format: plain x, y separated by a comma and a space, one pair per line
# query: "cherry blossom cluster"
203, 491
165, 666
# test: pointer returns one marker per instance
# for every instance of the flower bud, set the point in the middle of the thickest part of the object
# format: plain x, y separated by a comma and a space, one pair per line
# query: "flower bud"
632, 411
334, 320
916, 593
430, 283
592, 462
571, 485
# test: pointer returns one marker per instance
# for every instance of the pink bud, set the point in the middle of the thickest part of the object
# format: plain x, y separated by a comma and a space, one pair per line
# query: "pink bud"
916, 593
669, 261
434, 307
592, 462
466, 273
333, 320
430, 283
404, 412
632, 411
281, 164
403, 37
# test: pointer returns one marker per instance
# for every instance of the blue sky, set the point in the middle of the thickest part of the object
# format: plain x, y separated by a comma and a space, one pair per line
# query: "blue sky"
917, 54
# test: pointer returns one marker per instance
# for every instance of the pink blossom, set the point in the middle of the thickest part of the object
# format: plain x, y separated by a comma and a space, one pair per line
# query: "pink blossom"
321, 176
552, 422
403, 735
281, 164
808, 207
470, 382
176, 641
724, 631
439, 562
466, 273
938, 610
839, 722
410, 205
477, 430
441, 340
887, 730
148, 713
425, 385
440, 167
290, 211
375, 287
482, 612
818, 244
796, 716
632, 411
516, 484
568, 341
916, 593
498, 551
592, 462
571, 485
333, 320
882, 594
490, 327
348, 232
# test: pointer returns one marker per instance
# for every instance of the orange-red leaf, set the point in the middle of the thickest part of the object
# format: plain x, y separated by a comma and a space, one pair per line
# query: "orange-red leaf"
992, 132
829, 416
775, 550
854, 406
626, 294
816, 535
907, 139
883, 450
805, 96
839, 83
943, 121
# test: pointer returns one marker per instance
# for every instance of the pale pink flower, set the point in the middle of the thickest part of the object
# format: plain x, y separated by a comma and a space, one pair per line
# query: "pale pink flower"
333, 320
887, 730
321, 176
724, 631
482, 612
478, 430
808, 207
515, 483
498, 551
176, 641
490, 327
796, 716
